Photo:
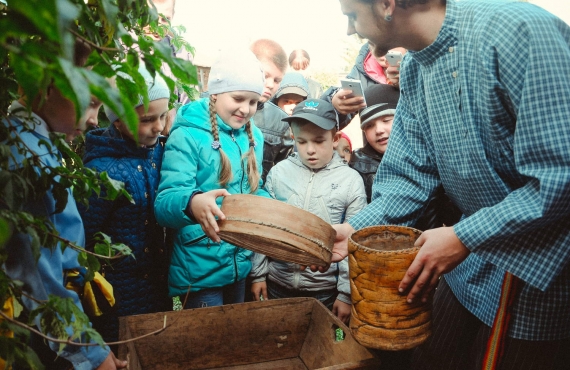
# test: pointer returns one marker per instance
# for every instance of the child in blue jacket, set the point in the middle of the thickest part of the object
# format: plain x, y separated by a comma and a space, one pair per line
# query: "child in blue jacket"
213, 150
140, 283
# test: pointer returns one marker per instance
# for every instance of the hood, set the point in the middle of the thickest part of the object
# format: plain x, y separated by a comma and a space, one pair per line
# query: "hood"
359, 62
197, 115
292, 81
108, 142
335, 162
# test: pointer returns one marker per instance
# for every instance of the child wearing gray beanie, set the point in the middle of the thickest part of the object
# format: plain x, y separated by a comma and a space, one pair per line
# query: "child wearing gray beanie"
214, 150
139, 283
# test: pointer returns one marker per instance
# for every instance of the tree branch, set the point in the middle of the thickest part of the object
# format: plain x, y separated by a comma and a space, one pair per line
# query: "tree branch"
70, 244
88, 42
70, 342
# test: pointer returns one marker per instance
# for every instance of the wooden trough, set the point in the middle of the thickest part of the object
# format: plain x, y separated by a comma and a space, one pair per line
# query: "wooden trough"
276, 229
292, 334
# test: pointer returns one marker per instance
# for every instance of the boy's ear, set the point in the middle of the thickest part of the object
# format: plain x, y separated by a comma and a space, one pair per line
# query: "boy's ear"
291, 133
336, 138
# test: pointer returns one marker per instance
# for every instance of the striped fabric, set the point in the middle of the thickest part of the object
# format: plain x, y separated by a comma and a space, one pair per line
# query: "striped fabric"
485, 111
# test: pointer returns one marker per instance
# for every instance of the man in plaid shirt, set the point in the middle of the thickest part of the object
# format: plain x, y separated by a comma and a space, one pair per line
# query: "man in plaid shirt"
485, 111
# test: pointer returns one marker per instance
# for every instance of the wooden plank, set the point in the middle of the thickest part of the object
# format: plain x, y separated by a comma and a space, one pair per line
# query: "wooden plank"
322, 351
287, 364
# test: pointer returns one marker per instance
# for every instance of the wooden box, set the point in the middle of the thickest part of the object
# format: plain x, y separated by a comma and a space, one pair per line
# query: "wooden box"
294, 333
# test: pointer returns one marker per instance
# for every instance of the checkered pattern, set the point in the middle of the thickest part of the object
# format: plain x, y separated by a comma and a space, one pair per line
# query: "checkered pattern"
485, 110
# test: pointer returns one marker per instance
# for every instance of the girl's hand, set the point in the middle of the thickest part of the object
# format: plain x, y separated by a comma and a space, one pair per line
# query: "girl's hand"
205, 210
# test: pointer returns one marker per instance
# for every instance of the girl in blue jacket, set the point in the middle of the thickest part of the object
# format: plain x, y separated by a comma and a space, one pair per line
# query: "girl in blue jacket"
213, 150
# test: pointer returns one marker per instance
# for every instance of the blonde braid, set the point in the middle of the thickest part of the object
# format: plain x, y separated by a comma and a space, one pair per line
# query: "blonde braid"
253, 175
226, 167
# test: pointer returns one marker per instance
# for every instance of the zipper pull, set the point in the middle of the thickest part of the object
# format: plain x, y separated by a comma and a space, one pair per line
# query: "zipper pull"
233, 137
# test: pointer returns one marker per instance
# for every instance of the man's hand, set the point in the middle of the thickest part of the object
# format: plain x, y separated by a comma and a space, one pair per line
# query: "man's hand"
205, 210
340, 248
441, 251
345, 103
259, 290
342, 311
112, 363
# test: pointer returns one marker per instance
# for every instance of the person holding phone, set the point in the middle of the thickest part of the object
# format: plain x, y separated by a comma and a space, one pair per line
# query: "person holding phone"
474, 116
370, 70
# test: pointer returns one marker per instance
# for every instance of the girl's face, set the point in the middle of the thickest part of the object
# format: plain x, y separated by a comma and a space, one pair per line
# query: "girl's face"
235, 108
378, 131
151, 123
343, 149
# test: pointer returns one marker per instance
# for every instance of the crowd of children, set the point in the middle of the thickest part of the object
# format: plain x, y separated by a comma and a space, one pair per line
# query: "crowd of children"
257, 131
262, 131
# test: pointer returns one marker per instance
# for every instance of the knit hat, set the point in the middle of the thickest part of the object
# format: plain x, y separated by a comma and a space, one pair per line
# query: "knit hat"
382, 101
157, 89
316, 111
345, 136
236, 70
293, 83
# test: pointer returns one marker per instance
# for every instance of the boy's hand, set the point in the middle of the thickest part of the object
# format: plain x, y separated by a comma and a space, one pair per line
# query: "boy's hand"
393, 75
205, 210
344, 103
340, 248
441, 251
259, 290
342, 311
112, 363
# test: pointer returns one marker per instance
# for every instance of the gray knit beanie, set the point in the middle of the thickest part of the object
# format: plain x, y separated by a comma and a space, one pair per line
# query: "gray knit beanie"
157, 89
236, 70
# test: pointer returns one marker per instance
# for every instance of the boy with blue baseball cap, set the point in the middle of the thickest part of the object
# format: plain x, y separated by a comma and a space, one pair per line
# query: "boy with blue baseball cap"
323, 185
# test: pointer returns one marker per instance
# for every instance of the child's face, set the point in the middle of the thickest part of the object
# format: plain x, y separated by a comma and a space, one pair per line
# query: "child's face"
151, 123
59, 114
235, 108
382, 60
378, 131
273, 77
287, 102
314, 145
343, 149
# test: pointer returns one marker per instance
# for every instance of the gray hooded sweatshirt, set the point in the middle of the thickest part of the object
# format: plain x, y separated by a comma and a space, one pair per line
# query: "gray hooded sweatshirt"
335, 193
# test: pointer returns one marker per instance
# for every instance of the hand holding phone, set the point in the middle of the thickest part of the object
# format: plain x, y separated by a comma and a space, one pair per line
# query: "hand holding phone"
393, 57
353, 85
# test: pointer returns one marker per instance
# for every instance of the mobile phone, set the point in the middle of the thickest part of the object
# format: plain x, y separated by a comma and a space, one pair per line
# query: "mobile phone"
354, 85
393, 57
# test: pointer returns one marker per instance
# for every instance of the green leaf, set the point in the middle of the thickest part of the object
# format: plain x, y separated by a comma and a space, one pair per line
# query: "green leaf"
42, 13
5, 232
67, 13
73, 86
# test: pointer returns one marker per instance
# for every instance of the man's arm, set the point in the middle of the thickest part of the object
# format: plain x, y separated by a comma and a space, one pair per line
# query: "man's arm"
536, 76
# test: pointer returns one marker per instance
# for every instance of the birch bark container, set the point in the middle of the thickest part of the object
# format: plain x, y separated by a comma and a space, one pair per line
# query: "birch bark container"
379, 257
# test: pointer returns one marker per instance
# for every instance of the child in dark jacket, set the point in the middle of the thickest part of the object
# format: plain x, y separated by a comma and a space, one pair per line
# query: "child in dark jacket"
139, 283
